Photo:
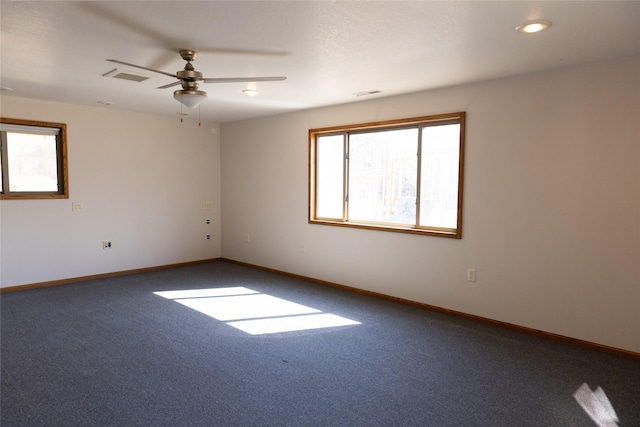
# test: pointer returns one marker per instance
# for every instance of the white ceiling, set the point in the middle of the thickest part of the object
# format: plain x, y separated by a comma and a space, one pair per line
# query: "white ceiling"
328, 50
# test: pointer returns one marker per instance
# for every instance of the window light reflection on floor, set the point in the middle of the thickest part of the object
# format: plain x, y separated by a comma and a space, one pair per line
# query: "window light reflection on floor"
253, 312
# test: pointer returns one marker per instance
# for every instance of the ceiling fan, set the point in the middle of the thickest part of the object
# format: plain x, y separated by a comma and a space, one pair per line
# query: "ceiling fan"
189, 95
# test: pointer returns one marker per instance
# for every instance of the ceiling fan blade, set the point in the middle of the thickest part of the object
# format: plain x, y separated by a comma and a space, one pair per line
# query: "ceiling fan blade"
143, 68
169, 85
242, 79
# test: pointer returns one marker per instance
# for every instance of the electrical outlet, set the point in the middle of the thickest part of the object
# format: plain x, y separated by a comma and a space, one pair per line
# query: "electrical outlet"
208, 236
76, 207
207, 221
106, 244
471, 275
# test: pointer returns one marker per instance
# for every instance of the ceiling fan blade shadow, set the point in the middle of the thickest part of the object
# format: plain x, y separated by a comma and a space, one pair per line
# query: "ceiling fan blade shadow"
142, 68
122, 20
138, 26
242, 79
169, 85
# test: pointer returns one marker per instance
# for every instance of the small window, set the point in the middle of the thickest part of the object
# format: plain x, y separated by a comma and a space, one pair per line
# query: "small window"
33, 156
401, 175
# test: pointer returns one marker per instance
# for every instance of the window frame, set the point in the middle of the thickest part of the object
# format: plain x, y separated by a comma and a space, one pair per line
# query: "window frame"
419, 122
61, 163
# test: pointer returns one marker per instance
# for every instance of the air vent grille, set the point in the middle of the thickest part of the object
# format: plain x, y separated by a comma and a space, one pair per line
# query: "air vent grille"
367, 92
127, 75
132, 77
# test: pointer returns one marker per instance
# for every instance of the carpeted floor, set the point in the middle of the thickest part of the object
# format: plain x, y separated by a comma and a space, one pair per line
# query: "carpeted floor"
111, 352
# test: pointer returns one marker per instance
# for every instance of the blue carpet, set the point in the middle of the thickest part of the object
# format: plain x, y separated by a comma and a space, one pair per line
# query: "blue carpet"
110, 352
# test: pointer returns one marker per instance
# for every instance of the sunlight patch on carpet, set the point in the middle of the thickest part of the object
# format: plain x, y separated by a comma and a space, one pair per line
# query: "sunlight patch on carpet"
596, 404
253, 312
288, 324
199, 293
245, 307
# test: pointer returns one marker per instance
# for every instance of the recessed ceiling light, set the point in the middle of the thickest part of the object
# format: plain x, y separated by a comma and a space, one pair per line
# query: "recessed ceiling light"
533, 27
250, 92
5, 89
107, 103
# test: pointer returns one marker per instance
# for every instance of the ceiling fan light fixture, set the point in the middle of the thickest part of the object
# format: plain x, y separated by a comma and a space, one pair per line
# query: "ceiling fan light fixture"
190, 98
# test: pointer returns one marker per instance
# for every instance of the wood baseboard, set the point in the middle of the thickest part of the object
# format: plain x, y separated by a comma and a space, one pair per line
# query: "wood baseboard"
103, 275
506, 325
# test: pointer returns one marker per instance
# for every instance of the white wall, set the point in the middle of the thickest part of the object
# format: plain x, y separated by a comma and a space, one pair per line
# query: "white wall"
141, 180
551, 208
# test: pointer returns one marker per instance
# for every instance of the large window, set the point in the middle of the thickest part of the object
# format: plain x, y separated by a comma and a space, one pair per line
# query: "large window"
401, 175
33, 159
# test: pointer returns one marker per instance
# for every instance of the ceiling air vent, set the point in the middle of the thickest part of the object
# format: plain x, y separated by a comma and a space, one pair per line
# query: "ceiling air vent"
117, 73
367, 92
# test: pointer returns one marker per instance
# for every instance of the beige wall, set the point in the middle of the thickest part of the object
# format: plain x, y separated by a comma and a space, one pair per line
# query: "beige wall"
551, 208
551, 215
141, 180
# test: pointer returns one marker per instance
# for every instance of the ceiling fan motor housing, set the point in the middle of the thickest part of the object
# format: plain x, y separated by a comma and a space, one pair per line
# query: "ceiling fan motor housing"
191, 74
189, 85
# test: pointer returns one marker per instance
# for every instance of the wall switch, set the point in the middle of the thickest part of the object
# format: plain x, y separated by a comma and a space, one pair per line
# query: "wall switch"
106, 244
206, 205
247, 238
471, 275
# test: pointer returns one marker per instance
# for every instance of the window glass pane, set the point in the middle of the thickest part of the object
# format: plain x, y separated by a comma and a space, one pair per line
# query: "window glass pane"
32, 162
330, 176
439, 176
383, 176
